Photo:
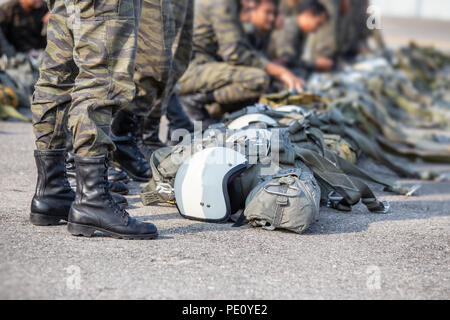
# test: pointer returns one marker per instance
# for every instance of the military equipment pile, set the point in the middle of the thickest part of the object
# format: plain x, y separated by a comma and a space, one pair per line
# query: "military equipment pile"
18, 74
305, 147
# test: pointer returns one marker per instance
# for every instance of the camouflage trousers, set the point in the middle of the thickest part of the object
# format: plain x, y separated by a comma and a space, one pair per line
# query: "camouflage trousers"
163, 54
86, 74
229, 84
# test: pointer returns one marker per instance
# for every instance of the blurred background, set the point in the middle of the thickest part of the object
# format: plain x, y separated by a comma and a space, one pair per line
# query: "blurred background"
426, 22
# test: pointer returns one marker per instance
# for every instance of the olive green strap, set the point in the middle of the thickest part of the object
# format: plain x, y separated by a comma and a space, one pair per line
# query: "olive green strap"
352, 190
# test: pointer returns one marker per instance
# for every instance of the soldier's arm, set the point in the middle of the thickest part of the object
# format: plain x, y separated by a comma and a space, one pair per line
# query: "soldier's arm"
233, 46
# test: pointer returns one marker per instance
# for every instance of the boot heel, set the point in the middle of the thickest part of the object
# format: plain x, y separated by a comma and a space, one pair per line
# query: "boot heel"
38, 219
80, 230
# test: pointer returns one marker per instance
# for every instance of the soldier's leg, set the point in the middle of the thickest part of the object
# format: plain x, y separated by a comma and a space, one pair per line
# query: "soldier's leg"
50, 106
183, 12
178, 120
221, 83
246, 85
105, 39
180, 26
184, 21
52, 96
154, 54
156, 33
154, 62
105, 34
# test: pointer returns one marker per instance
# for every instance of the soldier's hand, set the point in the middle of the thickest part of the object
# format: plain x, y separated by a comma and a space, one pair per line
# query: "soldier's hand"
292, 82
46, 18
324, 64
285, 76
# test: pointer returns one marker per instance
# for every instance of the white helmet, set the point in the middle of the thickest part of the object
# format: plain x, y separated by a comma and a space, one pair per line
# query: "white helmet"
248, 119
203, 184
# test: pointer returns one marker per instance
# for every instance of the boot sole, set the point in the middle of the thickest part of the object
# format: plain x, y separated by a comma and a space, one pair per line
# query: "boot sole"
124, 181
123, 193
87, 231
123, 205
39, 219
131, 175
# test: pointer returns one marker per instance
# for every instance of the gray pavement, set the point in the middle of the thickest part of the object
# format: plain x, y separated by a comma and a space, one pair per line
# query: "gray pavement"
400, 31
404, 254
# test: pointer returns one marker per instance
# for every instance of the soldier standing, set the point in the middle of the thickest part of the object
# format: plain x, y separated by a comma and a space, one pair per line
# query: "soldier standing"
86, 75
163, 55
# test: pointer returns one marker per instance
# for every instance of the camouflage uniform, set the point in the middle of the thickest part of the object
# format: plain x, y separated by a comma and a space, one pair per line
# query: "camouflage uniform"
86, 73
224, 63
323, 43
353, 31
289, 44
343, 35
260, 41
163, 54
288, 9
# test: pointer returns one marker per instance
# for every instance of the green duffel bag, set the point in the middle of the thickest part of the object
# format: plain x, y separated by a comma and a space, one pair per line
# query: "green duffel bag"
290, 201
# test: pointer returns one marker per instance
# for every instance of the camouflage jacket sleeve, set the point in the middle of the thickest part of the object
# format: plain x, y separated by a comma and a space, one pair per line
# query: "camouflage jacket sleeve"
233, 46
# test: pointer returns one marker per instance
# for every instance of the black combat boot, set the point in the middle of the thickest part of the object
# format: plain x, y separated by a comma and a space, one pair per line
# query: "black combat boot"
177, 118
94, 209
53, 197
150, 141
113, 185
129, 158
118, 187
117, 175
194, 107
127, 155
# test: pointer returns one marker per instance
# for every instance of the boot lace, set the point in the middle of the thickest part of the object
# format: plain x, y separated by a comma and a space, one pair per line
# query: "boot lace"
108, 196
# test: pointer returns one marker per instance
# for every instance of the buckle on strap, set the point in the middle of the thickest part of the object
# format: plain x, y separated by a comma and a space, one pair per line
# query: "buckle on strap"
165, 191
297, 190
334, 200
265, 225
383, 208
